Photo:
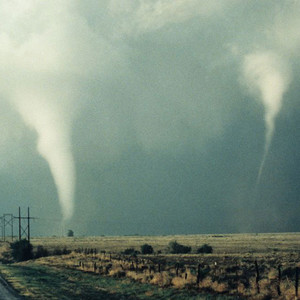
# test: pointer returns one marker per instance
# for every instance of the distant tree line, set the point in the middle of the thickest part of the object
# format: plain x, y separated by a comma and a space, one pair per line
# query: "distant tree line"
23, 250
174, 248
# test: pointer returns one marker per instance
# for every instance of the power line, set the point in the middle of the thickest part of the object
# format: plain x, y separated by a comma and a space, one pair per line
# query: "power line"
7, 220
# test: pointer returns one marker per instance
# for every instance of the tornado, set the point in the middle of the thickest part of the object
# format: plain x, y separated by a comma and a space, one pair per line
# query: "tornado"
267, 77
52, 125
36, 79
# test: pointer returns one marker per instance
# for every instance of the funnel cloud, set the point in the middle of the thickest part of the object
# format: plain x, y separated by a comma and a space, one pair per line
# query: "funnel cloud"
33, 55
266, 76
53, 142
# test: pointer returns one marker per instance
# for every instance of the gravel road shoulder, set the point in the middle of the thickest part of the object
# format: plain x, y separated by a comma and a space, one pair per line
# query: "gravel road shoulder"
6, 292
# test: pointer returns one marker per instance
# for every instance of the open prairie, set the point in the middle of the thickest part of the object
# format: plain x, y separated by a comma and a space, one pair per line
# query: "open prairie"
237, 244
255, 266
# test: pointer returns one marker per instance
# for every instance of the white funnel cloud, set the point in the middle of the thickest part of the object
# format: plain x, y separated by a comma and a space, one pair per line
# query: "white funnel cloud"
46, 51
53, 130
267, 76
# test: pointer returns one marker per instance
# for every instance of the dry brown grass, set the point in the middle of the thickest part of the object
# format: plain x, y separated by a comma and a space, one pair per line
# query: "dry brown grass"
241, 289
117, 272
219, 287
229, 270
179, 282
141, 277
161, 279
219, 284
206, 283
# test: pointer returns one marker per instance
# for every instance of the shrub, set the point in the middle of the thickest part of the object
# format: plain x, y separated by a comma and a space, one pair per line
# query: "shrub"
205, 249
21, 250
57, 251
176, 248
146, 249
130, 251
66, 251
70, 233
41, 252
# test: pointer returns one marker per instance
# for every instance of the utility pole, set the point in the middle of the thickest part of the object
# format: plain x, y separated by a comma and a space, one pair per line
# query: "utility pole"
24, 231
19, 223
8, 220
28, 226
2, 233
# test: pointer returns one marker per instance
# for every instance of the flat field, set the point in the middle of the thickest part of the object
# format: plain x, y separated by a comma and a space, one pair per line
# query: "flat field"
253, 266
238, 244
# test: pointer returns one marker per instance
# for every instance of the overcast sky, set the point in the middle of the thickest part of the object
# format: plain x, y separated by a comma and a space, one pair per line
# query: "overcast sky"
151, 116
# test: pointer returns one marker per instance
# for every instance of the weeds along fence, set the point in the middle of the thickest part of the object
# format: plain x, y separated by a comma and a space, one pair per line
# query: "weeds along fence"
226, 275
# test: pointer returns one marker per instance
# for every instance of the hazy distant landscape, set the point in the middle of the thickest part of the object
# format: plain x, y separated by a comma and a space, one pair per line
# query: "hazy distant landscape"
221, 243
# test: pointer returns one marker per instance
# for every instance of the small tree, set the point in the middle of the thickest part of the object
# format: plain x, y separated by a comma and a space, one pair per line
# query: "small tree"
70, 233
205, 249
21, 250
146, 249
41, 252
176, 248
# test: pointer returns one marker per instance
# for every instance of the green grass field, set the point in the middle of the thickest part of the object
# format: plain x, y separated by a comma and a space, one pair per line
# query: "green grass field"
36, 281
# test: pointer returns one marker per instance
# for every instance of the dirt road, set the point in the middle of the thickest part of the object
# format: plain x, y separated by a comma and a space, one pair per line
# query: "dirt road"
6, 292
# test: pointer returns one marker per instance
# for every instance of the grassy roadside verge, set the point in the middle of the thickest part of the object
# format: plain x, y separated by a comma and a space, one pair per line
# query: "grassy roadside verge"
36, 281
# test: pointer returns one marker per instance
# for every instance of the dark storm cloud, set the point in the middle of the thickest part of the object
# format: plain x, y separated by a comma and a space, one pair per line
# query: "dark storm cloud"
158, 105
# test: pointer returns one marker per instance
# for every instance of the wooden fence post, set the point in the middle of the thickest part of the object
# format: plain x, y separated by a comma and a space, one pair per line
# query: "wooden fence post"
279, 280
199, 274
297, 281
177, 269
257, 277
237, 277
